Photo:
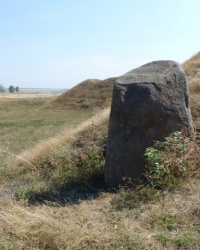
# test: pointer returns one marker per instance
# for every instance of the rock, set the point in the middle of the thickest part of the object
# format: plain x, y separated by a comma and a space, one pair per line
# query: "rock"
148, 104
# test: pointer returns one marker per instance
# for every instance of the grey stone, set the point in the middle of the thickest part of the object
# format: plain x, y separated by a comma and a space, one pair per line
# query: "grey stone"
148, 104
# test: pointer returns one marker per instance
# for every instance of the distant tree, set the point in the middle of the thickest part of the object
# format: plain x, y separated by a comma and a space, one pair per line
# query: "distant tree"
17, 89
2, 89
11, 89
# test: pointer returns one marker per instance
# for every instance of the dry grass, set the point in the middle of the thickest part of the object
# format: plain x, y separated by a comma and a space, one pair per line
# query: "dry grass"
91, 93
195, 109
192, 66
27, 96
65, 137
195, 105
192, 70
194, 85
172, 223
193, 59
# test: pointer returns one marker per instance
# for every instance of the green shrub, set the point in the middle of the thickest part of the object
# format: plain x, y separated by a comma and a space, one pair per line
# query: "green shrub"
183, 242
166, 161
89, 164
23, 193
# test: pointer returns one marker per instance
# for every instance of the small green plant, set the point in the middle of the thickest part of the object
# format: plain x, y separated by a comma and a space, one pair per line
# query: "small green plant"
171, 223
23, 193
89, 164
34, 193
185, 241
166, 161
162, 238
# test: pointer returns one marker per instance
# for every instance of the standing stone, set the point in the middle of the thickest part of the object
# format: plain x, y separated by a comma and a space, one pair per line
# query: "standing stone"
148, 104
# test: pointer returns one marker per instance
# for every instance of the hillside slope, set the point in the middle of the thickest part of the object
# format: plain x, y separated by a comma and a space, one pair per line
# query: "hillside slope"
192, 71
192, 67
90, 93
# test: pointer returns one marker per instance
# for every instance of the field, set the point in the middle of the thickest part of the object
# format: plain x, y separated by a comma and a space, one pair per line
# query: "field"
52, 195
24, 121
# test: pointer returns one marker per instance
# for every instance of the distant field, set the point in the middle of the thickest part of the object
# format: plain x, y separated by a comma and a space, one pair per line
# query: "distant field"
24, 122
41, 90
26, 95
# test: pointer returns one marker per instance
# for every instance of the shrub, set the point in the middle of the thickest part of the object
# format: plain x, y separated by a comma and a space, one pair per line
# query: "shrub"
167, 161
89, 164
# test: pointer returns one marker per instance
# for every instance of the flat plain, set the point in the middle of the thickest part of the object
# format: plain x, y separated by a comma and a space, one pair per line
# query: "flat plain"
24, 121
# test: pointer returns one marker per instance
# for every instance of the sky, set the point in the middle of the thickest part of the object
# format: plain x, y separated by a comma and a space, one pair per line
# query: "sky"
59, 43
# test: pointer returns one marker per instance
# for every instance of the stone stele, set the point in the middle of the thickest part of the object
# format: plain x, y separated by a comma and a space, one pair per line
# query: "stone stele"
148, 104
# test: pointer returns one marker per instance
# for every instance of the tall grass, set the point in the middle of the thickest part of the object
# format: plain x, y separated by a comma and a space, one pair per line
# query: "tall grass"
192, 65
171, 223
194, 85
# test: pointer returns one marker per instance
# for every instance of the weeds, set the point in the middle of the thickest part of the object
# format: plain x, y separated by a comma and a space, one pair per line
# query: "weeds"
183, 242
167, 161
23, 193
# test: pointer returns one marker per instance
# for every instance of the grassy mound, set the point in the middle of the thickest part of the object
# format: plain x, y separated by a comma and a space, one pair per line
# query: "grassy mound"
192, 71
88, 94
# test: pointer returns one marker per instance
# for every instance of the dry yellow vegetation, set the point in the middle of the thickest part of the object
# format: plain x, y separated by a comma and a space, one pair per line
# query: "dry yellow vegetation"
192, 70
171, 223
91, 93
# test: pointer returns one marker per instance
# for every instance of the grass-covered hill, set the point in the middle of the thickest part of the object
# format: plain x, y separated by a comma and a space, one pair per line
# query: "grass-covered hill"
192, 70
192, 67
91, 93
52, 194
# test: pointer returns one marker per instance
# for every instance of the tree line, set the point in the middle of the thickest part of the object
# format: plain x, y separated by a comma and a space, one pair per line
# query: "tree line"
11, 89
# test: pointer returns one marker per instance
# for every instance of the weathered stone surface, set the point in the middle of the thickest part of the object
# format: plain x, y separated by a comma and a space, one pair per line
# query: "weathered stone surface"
148, 104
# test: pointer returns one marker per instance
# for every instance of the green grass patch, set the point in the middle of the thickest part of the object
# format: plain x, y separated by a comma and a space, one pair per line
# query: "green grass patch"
23, 124
184, 241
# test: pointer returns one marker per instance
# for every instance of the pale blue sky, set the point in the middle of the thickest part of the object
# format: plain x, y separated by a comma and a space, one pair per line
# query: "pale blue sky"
59, 43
